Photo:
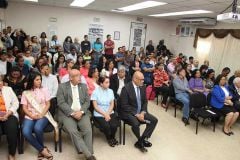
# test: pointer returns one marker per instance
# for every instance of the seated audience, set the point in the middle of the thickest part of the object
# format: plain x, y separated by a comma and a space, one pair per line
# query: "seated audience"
5, 66
85, 69
73, 102
221, 101
147, 71
68, 66
36, 99
60, 63
209, 80
195, 64
225, 71
87, 56
203, 70
119, 57
235, 91
50, 82
133, 110
92, 80
136, 65
109, 69
118, 81
171, 67
182, 92
161, 82
9, 118
188, 69
128, 59
38, 63
17, 81
72, 55
236, 74
104, 115
79, 62
23, 67
102, 63
27, 57
196, 82
85, 44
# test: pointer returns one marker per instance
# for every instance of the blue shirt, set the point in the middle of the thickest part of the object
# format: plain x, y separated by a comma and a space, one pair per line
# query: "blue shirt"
103, 99
97, 47
147, 75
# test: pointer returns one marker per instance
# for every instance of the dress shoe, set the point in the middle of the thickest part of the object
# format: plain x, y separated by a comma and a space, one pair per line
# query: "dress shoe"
185, 121
147, 143
141, 147
91, 158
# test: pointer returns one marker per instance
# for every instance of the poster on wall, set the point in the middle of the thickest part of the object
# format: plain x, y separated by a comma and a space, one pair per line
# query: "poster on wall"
137, 35
52, 29
95, 31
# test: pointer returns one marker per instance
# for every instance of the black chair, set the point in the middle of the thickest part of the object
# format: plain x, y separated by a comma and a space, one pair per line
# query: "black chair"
49, 128
172, 99
198, 104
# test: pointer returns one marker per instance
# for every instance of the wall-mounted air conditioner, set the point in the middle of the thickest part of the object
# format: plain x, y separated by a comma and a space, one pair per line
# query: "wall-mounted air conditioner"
199, 21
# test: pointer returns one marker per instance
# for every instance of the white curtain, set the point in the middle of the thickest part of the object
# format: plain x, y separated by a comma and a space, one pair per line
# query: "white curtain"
221, 52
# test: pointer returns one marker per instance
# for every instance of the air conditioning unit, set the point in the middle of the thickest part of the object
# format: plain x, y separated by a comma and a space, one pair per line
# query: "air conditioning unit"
199, 21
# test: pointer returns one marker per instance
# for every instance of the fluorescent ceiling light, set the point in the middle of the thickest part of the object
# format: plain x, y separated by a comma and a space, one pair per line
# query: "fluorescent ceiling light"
31, 0
137, 6
81, 3
181, 13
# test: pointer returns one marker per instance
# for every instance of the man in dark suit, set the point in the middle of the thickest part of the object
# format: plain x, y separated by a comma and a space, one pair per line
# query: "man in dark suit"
133, 110
73, 102
235, 90
118, 81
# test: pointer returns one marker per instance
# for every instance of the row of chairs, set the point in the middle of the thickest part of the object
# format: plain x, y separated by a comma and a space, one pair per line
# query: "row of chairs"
199, 107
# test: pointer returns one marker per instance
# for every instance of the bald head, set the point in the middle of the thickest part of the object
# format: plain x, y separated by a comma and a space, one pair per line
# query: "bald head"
74, 76
138, 78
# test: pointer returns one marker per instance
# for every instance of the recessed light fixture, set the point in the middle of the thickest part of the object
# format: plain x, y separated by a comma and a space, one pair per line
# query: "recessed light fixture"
31, 0
138, 6
181, 13
81, 3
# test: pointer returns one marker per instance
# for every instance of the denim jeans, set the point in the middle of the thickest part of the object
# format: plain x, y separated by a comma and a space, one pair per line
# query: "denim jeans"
184, 98
36, 127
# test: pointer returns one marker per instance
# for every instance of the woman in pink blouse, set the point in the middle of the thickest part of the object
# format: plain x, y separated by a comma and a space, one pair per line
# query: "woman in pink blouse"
34, 122
66, 69
85, 69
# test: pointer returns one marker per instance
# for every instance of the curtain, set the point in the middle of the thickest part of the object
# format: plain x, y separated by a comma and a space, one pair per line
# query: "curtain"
218, 33
221, 52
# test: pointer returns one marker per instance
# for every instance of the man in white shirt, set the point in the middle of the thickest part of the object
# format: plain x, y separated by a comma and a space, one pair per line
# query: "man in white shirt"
72, 55
50, 82
73, 103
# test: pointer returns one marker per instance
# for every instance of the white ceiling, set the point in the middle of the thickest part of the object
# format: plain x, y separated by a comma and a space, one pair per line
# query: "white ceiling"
173, 6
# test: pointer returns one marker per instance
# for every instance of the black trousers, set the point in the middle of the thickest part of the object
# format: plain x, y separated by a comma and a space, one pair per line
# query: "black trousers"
108, 128
10, 128
165, 92
109, 57
135, 123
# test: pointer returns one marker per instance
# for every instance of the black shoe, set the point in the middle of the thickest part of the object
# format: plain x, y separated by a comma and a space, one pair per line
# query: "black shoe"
91, 158
185, 121
111, 143
115, 142
231, 133
228, 134
140, 146
147, 143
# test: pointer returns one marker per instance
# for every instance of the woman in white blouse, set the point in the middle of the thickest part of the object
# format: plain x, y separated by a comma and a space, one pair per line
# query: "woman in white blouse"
9, 118
109, 69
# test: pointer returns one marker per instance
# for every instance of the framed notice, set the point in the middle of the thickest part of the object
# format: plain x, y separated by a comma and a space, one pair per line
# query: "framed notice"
137, 35
116, 35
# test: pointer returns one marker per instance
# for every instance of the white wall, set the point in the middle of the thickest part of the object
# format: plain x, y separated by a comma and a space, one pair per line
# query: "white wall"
74, 22
185, 44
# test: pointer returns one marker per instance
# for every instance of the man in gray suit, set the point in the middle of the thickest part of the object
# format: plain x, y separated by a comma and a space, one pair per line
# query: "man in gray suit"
73, 102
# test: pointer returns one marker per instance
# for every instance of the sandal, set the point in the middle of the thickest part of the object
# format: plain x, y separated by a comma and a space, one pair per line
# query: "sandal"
40, 156
49, 156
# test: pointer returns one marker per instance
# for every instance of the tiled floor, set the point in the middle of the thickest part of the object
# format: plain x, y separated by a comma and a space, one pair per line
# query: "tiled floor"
171, 141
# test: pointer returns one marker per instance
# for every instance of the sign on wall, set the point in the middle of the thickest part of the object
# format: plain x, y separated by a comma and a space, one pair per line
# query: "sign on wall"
137, 35
95, 31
